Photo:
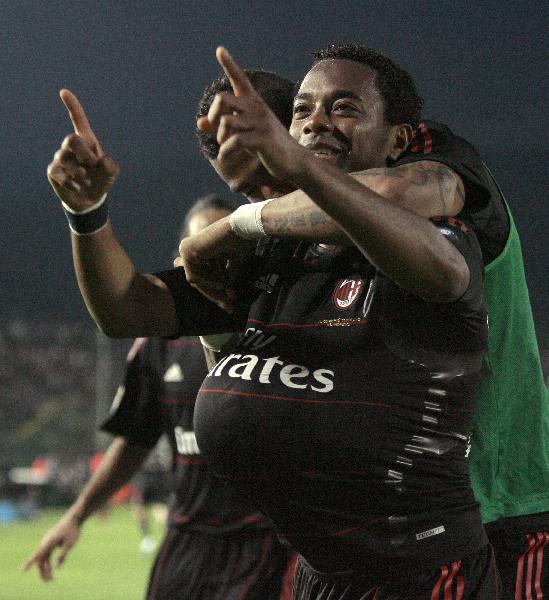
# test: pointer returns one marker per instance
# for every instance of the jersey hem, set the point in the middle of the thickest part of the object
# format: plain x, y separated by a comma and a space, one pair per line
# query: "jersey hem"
520, 508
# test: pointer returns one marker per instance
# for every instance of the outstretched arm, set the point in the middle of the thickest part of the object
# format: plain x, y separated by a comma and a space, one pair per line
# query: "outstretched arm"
122, 301
121, 461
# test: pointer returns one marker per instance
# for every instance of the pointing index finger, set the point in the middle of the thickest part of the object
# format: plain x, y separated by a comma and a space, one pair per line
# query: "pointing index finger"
239, 81
78, 118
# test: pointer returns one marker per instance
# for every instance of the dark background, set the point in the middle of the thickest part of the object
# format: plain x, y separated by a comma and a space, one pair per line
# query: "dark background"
140, 67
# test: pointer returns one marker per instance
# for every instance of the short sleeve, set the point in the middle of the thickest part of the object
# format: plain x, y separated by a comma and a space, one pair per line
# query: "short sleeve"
135, 412
434, 141
467, 315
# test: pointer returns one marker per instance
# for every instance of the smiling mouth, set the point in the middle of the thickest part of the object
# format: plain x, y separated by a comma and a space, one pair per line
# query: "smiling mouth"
325, 151
327, 154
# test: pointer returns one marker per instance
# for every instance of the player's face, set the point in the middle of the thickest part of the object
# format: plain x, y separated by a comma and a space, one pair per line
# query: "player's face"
338, 114
202, 219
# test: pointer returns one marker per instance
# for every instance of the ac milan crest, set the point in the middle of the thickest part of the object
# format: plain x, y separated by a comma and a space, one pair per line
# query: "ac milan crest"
346, 293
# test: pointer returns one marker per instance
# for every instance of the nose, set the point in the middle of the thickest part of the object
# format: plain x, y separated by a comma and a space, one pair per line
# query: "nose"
317, 121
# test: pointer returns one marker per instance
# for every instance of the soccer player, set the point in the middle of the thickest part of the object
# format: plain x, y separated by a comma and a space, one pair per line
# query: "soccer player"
510, 478
355, 380
216, 545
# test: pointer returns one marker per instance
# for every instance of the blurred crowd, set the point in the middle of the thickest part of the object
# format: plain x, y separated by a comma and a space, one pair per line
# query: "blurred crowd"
50, 405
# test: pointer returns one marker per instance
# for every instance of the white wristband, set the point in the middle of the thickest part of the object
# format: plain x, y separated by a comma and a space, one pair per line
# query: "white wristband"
246, 221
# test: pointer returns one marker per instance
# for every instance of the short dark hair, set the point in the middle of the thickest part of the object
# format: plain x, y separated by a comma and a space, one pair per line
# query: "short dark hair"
402, 104
209, 202
277, 91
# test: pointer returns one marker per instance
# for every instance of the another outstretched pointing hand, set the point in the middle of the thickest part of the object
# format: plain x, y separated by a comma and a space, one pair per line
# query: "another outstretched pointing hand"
80, 173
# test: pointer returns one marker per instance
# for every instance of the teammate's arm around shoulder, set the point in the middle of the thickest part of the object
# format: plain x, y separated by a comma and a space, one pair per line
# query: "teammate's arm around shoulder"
425, 187
123, 302
401, 243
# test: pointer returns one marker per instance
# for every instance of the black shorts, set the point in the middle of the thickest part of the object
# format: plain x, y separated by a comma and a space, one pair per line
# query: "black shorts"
519, 544
239, 565
474, 577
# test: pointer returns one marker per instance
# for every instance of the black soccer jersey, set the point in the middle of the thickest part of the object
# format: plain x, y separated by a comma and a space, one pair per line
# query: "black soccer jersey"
158, 396
345, 409
484, 208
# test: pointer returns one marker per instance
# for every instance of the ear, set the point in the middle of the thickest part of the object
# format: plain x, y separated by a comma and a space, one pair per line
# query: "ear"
401, 136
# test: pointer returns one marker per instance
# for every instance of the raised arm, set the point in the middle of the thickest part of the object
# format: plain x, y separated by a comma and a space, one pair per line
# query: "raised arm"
123, 302
121, 461
400, 243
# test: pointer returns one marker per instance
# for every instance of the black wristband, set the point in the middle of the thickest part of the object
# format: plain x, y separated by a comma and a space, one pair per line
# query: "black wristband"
89, 221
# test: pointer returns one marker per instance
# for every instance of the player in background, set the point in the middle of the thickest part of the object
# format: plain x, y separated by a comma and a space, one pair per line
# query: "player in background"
216, 546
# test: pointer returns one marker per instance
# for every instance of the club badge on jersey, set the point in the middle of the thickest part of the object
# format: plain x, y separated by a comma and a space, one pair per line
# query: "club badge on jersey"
346, 293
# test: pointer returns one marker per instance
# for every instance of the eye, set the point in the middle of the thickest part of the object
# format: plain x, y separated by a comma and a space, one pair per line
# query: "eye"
300, 110
344, 108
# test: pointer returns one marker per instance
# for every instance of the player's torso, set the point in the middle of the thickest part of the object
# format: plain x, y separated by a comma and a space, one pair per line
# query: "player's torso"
332, 399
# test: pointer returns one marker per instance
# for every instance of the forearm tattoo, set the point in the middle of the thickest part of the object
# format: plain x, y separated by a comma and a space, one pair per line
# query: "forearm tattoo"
441, 181
313, 217
423, 174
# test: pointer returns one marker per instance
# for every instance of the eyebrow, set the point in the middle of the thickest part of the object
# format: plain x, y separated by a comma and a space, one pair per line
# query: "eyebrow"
335, 95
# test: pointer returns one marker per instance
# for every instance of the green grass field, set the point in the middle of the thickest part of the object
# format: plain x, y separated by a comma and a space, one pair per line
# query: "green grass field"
105, 564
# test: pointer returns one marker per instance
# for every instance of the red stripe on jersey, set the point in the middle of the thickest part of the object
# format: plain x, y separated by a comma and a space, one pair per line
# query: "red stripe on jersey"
189, 341
179, 518
542, 539
217, 521
530, 571
287, 587
428, 140
306, 325
291, 399
520, 569
190, 460
289, 474
255, 518
448, 585
460, 587
349, 530
177, 401
436, 590
290, 535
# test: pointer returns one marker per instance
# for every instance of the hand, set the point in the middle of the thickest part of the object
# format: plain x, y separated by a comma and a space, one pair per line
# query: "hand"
244, 121
80, 173
63, 535
214, 262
